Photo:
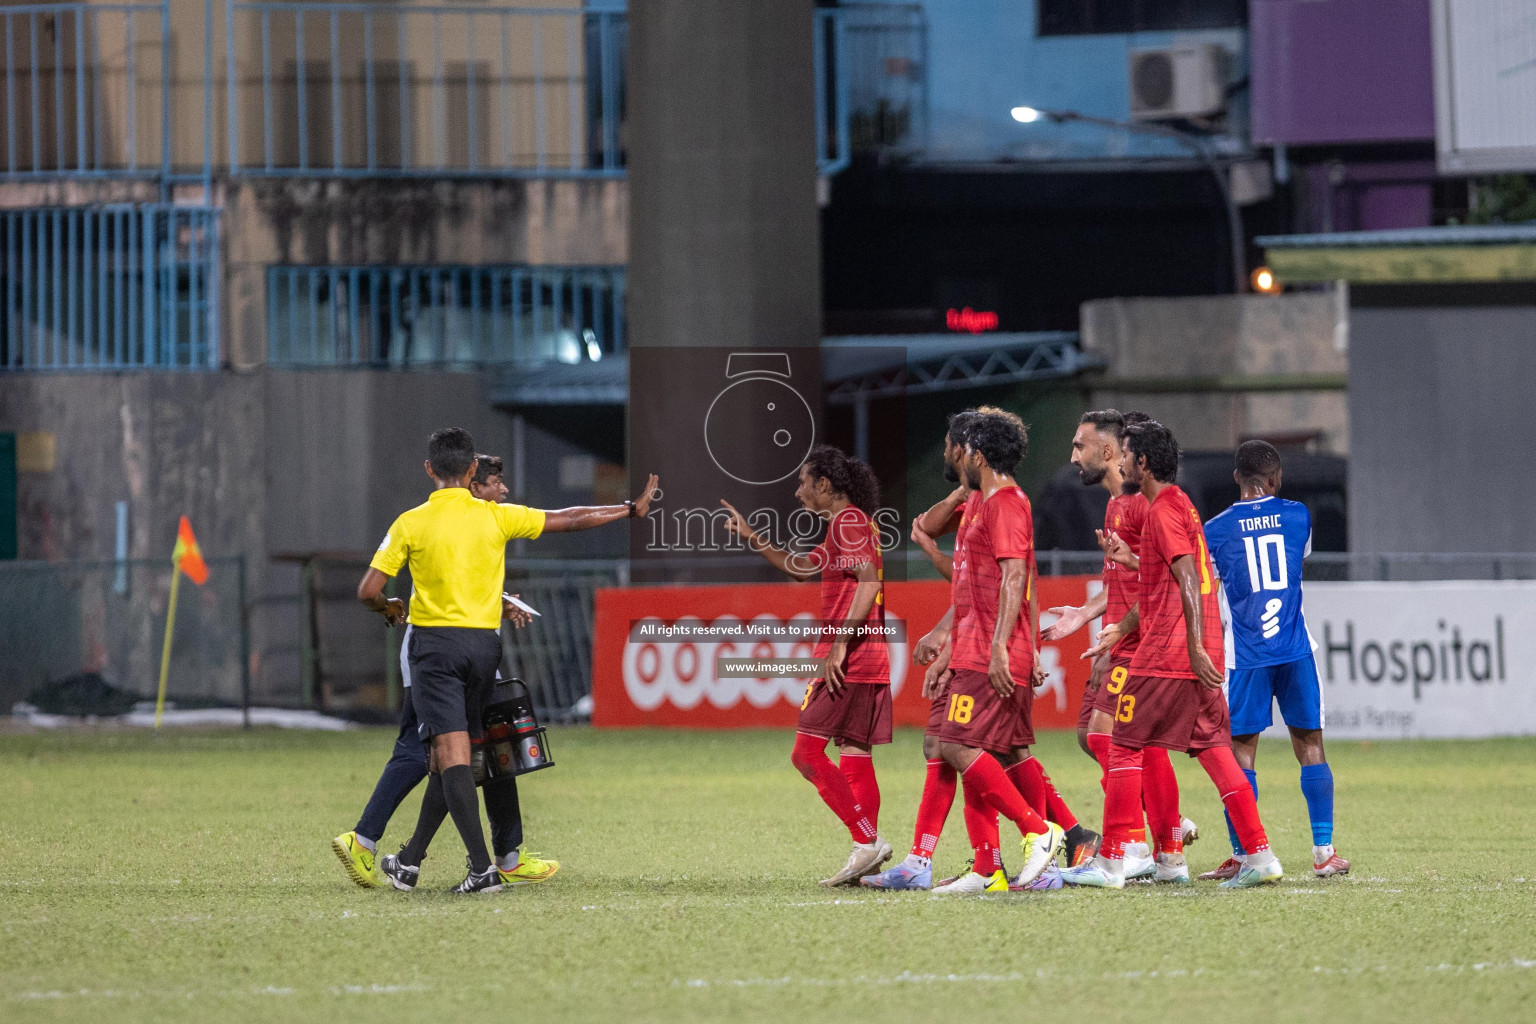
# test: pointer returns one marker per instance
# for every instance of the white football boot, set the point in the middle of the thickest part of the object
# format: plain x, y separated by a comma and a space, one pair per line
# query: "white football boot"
1097, 873
972, 884
865, 859
1171, 867
1258, 869
1138, 862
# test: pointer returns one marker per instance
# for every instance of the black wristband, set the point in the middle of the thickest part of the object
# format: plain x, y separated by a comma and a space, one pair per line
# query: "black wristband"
634, 510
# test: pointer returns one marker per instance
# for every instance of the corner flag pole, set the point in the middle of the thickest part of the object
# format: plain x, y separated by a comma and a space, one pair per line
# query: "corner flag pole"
186, 558
165, 652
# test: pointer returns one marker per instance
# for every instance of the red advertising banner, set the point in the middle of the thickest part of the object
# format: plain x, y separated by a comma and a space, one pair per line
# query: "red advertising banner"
674, 684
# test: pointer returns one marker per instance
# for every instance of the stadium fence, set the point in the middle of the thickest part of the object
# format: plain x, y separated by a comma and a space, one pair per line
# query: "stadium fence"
69, 630
86, 637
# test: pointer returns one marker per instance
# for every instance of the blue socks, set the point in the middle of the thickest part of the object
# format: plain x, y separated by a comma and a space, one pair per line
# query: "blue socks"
1253, 782
1317, 787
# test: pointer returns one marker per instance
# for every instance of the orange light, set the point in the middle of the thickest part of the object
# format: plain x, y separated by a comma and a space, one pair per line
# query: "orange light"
1264, 281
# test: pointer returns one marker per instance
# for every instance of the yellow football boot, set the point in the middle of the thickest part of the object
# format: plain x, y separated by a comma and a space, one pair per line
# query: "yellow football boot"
531, 868
361, 864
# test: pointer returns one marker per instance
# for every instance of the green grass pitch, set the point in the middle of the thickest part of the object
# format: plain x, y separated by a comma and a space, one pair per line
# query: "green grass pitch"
188, 877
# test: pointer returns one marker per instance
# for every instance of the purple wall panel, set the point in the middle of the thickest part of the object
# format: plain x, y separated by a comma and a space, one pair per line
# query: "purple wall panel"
1336, 71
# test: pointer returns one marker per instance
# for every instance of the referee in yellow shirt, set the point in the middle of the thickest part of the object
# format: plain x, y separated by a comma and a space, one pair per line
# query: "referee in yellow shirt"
455, 545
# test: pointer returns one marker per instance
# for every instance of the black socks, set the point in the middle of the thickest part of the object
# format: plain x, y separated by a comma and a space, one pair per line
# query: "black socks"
506, 816
458, 789
434, 808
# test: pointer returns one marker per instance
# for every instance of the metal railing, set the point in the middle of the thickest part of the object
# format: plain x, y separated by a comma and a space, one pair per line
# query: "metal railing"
349, 663
398, 89
112, 287
553, 654
359, 89
1412, 566
87, 89
443, 315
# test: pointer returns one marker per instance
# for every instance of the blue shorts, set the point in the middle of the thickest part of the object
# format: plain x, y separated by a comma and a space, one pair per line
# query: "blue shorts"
1294, 684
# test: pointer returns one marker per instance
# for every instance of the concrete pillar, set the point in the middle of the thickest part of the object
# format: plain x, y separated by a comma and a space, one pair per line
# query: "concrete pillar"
724, 244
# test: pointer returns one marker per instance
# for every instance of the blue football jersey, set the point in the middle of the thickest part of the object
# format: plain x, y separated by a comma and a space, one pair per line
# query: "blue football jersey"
1258, 547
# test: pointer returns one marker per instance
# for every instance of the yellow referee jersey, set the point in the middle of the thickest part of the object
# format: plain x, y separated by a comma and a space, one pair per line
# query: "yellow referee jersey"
456, 546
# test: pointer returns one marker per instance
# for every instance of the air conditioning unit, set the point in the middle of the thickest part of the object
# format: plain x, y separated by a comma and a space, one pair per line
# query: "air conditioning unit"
1183, 80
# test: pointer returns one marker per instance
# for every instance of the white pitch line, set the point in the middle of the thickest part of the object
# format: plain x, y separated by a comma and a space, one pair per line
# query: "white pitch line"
916, 978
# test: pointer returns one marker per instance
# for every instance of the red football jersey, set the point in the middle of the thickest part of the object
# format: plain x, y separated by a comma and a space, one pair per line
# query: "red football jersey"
1126, 516
853, 540
1172, 531
1003, 527
959, 596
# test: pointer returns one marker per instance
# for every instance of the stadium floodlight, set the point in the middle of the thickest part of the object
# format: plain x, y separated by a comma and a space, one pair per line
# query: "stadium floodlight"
1194, 142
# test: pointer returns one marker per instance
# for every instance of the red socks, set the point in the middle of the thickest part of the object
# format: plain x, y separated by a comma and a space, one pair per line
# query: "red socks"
1037, 788
987, 778
858, 768
1237, 796
981, 829
1098, 744
810, 758
1160, 798
933, 809
1122, 799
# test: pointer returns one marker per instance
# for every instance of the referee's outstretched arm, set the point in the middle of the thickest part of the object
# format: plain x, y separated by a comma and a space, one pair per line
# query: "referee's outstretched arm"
585, 517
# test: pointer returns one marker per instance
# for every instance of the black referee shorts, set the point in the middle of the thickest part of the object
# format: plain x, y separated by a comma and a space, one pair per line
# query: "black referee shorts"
453, 672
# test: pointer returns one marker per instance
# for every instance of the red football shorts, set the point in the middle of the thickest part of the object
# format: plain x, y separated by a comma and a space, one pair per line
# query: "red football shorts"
936, 712
861, 712
1176, 714
975, 716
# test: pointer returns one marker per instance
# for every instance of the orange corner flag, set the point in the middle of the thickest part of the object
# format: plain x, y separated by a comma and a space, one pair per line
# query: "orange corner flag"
187, 556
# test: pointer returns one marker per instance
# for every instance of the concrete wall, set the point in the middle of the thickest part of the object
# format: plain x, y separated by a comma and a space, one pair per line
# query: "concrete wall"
1440, 417
264, 463
1185, 361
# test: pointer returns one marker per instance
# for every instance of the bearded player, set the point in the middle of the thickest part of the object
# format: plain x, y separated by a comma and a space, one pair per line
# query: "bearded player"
1096, 450
991, 664
850, 703
1172, 694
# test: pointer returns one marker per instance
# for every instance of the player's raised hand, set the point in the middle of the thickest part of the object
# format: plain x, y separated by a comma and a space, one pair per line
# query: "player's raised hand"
738, 522
1069, 621
1116, 549
1107, 638
643, 503
1205, 670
